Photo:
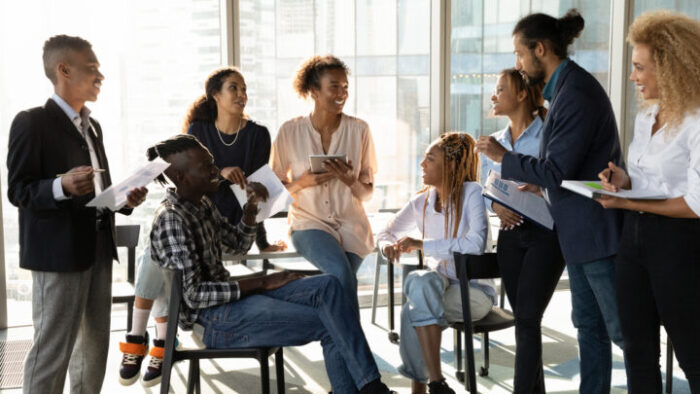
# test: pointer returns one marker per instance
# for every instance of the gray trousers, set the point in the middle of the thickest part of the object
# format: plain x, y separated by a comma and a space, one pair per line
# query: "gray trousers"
71, 315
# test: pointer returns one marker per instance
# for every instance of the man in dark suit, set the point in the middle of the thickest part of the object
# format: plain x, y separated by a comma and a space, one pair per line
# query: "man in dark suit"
579, 137
69, 247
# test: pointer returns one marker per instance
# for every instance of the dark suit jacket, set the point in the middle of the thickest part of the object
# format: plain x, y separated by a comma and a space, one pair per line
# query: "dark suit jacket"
579, 137
56, 236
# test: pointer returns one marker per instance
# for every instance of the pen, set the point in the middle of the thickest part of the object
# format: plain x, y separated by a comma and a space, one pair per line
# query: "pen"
610, 175
96, 170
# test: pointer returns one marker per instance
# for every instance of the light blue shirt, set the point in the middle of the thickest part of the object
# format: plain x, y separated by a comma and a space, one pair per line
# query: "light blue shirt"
548, 90
528, 144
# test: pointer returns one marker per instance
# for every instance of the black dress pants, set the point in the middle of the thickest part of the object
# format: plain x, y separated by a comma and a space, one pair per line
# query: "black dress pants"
531, 263
658, 282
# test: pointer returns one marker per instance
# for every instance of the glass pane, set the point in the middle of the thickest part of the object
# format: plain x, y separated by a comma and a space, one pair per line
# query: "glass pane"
481, 46
389, 80
386, 44
688, 7
155, 56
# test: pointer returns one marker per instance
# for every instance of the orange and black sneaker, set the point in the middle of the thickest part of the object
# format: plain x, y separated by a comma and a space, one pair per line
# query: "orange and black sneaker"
154, 371
134, 350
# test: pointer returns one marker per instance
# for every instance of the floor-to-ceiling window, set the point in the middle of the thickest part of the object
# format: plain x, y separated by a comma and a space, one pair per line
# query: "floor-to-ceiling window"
386, 44
688, 7
155, 56
481, 46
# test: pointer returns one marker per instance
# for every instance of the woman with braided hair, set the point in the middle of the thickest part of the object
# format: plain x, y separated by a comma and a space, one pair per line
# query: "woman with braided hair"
449, 214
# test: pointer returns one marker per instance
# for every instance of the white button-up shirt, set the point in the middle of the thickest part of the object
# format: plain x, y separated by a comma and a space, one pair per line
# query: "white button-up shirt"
667, 162
82, 124
438, 247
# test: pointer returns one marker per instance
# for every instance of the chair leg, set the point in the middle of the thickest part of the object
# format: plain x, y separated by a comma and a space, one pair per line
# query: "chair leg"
166, 372
193, 377
393, 336
264, 374
458, 355
669, 366
279, 368
484, 371
470, 381
375, 291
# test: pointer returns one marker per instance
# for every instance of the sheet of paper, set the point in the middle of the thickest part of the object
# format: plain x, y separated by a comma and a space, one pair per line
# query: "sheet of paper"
527, 204
114, 197
593, 189
279, 196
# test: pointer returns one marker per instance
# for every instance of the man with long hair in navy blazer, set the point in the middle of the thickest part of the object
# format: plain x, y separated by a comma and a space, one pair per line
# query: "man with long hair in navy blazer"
68, 247
579, 136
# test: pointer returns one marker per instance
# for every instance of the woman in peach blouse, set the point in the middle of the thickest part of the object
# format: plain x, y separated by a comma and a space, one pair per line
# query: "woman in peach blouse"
329, 226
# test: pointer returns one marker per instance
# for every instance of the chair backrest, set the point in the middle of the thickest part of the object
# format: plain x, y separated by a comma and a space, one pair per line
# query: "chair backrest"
483, 266
128, 237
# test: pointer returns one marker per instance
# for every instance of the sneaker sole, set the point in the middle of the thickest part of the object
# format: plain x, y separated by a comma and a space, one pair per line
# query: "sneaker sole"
130, 381
151, 382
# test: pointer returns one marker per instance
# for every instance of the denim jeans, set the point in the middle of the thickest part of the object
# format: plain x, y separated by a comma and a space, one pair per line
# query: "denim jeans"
325, 253
309, 309
432, 300
594, 313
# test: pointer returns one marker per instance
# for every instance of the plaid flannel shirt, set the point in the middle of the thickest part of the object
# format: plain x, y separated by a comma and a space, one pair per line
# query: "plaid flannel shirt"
190, 238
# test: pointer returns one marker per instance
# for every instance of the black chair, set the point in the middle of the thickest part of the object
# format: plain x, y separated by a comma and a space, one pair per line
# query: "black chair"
172, 355
669, 366
123, 292
477, 267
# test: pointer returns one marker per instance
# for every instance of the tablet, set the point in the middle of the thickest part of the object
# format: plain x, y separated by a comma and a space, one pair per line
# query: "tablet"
316, 161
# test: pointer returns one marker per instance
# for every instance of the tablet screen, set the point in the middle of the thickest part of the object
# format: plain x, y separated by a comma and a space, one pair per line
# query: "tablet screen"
316, 161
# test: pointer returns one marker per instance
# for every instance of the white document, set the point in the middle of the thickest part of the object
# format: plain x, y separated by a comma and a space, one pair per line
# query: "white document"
114, 197
526, 204
594, 189
279, 196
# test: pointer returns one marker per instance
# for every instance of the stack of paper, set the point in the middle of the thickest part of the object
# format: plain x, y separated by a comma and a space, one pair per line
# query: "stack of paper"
526, 204
279, 196
594, 189
114, 197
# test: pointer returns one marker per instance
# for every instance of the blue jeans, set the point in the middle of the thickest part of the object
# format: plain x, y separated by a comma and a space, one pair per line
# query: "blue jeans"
309, 309
594, 314
325, 253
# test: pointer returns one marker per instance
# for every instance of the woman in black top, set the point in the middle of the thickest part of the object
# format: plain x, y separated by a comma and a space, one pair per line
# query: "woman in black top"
239, 145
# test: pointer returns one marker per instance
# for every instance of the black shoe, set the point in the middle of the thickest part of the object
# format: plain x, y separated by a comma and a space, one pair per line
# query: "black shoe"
439, 387
154, 370
134, 350
376, 387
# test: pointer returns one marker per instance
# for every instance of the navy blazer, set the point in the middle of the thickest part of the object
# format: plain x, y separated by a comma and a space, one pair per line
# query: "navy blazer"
55, 236
579, 138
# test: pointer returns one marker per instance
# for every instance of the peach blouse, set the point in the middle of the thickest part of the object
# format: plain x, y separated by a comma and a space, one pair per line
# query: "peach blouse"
330, 207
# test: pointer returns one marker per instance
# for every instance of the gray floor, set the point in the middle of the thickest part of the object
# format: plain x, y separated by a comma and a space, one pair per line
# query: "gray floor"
304, 370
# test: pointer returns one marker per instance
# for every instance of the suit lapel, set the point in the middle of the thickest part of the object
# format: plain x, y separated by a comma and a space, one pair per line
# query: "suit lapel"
66, 125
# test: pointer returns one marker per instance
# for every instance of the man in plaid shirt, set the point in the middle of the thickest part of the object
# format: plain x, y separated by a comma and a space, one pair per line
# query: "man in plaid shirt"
281, 309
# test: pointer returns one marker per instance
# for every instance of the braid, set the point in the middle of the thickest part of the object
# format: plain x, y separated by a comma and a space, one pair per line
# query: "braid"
460, 165
176, 144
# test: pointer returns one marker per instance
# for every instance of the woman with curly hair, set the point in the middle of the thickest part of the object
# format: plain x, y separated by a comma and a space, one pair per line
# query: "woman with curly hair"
329, 226
240, 146
658, 263
449, 213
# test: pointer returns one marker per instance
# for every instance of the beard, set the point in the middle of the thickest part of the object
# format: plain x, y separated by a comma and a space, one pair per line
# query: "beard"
537, 76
